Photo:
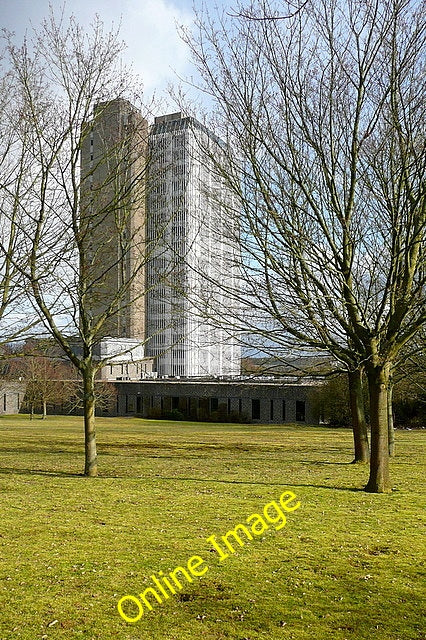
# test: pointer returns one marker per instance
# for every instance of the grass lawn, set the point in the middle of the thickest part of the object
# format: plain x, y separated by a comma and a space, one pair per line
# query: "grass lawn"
347, 565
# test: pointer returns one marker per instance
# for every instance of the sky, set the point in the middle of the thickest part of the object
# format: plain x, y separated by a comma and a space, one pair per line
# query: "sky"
147, 26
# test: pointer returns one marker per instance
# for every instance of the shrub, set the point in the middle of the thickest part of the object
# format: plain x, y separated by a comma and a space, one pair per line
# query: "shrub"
331, 404
174, 414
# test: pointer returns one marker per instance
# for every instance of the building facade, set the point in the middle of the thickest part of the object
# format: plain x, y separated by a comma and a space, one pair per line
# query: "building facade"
193, 263
160, 251
126, 360
267, 402
113, 217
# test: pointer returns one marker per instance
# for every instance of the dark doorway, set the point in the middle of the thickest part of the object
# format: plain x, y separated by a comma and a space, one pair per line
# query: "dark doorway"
300, 411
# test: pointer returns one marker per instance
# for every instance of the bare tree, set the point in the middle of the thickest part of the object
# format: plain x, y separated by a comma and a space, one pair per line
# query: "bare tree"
48, 379
105, 397
15, 181
324, 112
84, 218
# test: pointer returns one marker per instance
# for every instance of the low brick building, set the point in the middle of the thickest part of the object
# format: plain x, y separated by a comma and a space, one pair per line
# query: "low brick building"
269, 401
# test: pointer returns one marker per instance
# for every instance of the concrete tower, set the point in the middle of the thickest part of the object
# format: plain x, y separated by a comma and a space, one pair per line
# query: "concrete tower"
191, 254
113, 216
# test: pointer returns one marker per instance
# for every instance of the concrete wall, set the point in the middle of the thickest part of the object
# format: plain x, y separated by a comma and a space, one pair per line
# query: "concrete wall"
127, 370
11, 397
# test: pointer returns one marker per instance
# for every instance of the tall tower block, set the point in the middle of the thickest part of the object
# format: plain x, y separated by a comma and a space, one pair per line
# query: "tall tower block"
113, 216
193, 255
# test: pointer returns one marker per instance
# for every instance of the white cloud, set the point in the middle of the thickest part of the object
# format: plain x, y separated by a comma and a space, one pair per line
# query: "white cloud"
149, 28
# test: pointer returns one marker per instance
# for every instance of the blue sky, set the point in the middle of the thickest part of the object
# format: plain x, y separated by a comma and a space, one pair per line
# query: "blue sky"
148, 28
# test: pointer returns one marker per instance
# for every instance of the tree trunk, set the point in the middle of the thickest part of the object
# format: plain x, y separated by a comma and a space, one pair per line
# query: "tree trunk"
31, 411
391, 430
44, 410
359, 426
379, 480
90, 467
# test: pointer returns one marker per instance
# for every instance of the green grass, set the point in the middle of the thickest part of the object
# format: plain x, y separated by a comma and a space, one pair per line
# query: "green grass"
345, 566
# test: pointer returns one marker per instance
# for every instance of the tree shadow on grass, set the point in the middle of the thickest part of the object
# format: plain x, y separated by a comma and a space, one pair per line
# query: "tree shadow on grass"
256, 483
39, 472
65, 474
45, 450
321, 462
